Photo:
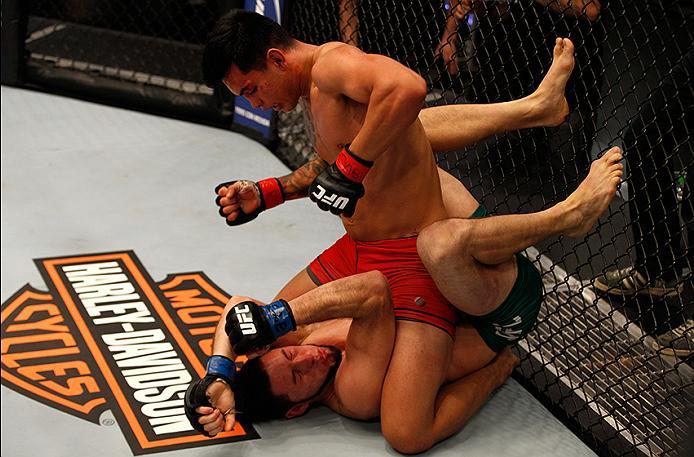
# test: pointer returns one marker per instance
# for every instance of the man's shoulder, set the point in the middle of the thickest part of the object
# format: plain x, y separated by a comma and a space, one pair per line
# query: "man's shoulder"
334, 49
331, 58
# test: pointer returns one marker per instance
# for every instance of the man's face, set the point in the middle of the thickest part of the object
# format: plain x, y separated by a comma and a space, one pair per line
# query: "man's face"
271, 88
299, 372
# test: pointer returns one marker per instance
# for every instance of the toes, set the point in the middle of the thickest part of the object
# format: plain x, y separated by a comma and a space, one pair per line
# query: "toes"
568, 45
613, 155
614, 159
558, 46
618, 168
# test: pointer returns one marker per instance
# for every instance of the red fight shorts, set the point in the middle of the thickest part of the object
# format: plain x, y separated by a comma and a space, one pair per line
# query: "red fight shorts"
414, 293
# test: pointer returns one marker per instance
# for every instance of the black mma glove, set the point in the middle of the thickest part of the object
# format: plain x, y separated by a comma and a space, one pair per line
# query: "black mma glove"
219, 368
251, 327
270, 192
339, 186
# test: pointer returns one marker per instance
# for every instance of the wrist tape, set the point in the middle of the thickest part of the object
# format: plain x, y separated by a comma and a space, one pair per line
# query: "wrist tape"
271, 193
280, 317
354, 168
223, 368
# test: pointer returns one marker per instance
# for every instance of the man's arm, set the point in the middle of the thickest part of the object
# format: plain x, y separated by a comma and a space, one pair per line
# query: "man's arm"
220, 415
358, 296
251, 326
366, 299
296, 183
241, 201
393, 93
577, 8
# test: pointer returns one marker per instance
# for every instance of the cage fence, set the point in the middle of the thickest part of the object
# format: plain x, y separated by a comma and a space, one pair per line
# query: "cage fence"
611, 354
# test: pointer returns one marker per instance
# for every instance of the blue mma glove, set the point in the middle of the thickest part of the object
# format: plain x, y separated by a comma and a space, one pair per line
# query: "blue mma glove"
218, 368
251, 327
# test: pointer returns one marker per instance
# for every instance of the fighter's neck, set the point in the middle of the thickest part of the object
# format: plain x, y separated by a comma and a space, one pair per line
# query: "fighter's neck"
328, 397
306, 54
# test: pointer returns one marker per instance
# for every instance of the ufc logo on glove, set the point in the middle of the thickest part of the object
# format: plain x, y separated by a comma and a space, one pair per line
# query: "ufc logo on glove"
243, 315
338, 187
333, 200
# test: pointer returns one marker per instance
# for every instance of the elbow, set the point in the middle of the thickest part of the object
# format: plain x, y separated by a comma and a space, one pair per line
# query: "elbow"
378, 289
416, 92
407, 95
419, 88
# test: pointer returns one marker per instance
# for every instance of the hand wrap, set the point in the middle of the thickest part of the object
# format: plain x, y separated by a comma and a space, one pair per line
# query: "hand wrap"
218, 367
270, 192
339, 186
251, 327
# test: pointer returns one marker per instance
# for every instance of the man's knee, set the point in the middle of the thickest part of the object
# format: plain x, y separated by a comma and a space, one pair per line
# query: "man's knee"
443, 240
404, 439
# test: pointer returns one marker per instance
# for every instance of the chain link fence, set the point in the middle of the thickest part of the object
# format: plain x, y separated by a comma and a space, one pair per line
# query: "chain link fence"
611, 354
139, 54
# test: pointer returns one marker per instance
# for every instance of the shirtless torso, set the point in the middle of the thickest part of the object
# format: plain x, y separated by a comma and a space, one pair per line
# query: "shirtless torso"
403, 193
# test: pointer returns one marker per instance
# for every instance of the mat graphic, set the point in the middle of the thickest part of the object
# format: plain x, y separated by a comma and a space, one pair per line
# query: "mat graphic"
107, 337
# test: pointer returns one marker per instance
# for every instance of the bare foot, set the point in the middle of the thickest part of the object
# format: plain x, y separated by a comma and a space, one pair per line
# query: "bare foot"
592, 197
552, 107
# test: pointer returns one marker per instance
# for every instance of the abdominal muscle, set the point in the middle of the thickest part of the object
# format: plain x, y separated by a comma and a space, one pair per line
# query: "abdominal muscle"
402, 193
391, 214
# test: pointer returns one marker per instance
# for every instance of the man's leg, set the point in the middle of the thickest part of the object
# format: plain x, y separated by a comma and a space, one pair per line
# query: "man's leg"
416, 412
415, 374
470, 353
472, 260
458, 401
452, 127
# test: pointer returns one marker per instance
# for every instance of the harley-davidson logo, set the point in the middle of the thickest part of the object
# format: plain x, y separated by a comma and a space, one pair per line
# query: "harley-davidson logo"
107, 337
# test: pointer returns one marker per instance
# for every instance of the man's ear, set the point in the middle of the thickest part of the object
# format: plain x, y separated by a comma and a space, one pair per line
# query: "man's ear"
297, 410
276, 58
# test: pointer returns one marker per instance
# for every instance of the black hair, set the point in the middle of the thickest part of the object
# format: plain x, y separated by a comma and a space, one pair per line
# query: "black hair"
241, 38
254, 399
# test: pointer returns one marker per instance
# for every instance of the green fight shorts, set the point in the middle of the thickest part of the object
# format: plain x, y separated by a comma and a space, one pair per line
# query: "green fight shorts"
516, 316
